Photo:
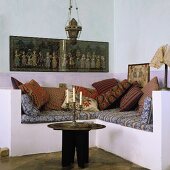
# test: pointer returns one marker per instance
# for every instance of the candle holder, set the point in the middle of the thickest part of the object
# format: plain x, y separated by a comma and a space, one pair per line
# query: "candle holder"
74, 109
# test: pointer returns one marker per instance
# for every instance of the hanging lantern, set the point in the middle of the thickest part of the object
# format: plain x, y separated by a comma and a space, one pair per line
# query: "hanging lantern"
73, 28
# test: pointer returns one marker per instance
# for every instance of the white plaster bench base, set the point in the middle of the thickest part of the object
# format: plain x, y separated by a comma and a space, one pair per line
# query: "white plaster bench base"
148, 149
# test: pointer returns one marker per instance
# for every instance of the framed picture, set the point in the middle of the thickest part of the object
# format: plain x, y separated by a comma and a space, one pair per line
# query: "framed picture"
139, 73
57, 55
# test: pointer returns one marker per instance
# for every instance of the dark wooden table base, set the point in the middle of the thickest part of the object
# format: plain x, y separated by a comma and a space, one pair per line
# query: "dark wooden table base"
75, 140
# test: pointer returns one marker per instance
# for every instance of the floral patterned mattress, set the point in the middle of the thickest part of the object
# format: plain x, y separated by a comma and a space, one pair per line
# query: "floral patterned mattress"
129, 118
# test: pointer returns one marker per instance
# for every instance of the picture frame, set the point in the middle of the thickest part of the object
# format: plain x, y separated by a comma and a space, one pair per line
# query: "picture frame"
57, 55
139, 73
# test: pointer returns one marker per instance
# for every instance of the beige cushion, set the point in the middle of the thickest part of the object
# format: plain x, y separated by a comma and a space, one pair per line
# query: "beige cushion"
89, 104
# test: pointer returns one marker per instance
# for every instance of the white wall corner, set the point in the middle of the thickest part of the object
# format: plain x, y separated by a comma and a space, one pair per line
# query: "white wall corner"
161, 119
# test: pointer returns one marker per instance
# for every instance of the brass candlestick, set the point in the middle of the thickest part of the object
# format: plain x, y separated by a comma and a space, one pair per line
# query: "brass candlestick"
74, 109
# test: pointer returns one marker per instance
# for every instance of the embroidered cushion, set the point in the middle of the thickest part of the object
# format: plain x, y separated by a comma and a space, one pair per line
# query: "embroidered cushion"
87, 92
104, 85
147, 91
146, 116
37, 93
56, 98
28, 106
131, 98
110, 98
88, 104
15, 83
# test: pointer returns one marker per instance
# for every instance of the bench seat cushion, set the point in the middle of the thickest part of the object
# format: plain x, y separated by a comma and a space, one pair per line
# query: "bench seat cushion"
128, 118
57, 116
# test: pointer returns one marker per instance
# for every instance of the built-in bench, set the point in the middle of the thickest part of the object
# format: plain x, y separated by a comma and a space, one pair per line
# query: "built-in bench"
128, 118
149, 149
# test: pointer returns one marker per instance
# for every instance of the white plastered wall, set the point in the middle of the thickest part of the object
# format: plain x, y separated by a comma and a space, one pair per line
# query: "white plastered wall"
47, 19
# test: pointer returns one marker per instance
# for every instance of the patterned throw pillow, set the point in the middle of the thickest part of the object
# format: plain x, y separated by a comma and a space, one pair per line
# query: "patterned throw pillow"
146, 116
109, 98
89, 104
131, 98
37, 93
147, 91
104, 85
15, 83
28, 106
57, 96
87, 92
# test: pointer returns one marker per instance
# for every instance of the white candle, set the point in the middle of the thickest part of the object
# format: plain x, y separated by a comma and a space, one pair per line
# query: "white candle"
74, 99
80, 97
67, 96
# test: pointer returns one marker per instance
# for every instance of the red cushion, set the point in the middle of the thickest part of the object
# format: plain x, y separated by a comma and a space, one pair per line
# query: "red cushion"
130, 99
37, 93
110, 98
87, 92
104, 85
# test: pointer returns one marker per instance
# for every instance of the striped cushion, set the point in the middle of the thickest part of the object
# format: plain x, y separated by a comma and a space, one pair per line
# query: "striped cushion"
104, 85
109, 99
147, 91
130, 99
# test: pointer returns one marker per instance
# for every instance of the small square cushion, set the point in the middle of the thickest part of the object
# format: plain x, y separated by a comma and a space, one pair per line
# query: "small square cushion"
146, 116
15, 83
109, 98
147, 92
37, 93
28, 106
88, 104
131, 98
104, 85
87, 92
57, 96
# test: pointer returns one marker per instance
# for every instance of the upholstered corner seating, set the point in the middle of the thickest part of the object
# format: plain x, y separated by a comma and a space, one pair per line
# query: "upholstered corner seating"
148, 147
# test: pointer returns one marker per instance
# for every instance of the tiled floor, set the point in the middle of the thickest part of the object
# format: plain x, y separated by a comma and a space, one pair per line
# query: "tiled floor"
99, 160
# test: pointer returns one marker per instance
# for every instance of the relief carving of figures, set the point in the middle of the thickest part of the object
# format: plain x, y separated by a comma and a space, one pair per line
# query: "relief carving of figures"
17, 59
23, 59
54, 61
57, 55
40, 59
71, 60
64, 62
88, 60
103, 62
93, 61
47, 60
29, 56
83, 61
78, 56
34, 58
98, 62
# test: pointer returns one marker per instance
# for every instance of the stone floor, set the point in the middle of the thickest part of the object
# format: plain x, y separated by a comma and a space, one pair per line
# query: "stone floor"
99, 160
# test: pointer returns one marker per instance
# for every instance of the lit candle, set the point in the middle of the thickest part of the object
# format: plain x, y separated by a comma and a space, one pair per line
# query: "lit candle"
67, 96
74, 99
81, 98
